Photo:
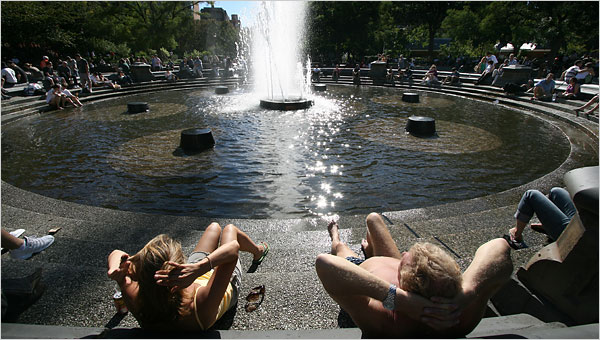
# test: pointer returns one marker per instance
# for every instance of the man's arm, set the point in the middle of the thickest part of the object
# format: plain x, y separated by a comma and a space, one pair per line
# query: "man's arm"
342, 279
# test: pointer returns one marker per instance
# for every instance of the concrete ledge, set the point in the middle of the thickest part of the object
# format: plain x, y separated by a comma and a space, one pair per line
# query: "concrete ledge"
512, 326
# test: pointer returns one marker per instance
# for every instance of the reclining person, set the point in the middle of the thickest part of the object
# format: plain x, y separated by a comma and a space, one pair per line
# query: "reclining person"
163, 291
419, 293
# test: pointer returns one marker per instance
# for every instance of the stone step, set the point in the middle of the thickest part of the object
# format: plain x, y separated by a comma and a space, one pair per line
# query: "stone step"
513, 326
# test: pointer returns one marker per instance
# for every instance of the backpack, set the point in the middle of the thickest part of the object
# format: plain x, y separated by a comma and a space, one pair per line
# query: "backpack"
33, 89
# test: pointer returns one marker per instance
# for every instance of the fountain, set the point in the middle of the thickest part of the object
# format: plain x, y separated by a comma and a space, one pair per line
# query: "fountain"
276, 54
343, 155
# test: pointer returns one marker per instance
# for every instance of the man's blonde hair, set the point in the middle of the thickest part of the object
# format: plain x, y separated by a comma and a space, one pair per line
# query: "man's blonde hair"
156, 305
431, 272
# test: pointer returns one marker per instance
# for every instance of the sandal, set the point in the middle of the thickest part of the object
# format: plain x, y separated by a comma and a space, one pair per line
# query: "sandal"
262, 257
516, 245
255, 298
256, 263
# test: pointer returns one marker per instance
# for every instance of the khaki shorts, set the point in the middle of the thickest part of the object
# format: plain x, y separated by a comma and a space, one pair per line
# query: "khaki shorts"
236, 276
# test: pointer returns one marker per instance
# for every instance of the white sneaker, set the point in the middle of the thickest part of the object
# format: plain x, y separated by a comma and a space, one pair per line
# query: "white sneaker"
17, 233
32, 246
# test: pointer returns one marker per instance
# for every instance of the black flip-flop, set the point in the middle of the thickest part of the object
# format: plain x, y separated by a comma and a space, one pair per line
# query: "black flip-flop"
514, 244
256, 263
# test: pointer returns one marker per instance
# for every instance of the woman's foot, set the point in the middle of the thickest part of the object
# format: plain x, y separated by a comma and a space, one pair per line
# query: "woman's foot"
262, 250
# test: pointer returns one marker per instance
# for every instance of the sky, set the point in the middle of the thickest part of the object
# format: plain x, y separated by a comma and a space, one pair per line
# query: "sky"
244, 9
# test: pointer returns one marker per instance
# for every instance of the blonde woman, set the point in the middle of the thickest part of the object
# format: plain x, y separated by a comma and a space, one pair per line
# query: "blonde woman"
163, 291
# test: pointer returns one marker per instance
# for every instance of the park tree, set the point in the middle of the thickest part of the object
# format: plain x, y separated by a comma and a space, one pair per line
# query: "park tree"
345, 27
426, 16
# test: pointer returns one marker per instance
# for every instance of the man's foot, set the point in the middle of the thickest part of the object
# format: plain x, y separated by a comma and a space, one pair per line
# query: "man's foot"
366, 248
333, 230
32, 245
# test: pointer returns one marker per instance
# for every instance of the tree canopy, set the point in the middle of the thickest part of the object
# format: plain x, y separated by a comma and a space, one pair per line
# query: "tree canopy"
33, 28
367, 28
334, 28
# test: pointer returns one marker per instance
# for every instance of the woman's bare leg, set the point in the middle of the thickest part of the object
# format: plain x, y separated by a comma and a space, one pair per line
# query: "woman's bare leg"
231, 232
338, 247
209, 241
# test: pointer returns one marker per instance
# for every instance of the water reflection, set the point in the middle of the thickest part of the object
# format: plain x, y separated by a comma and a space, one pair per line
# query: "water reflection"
348, 154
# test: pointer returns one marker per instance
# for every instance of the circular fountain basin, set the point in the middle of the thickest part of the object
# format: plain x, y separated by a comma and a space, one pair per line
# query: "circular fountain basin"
285, 105
420, 126
346, 154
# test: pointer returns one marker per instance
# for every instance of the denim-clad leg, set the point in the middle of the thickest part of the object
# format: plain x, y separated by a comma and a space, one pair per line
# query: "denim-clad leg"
554, 212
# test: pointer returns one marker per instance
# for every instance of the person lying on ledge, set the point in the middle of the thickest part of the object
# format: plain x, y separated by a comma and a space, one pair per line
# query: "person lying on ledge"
419, 293
163, 291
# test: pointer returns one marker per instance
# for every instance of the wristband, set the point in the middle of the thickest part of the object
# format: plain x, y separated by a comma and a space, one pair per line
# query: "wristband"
209, 262
390, 300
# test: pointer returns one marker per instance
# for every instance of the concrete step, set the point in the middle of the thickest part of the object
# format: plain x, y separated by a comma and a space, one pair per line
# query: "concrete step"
514, 326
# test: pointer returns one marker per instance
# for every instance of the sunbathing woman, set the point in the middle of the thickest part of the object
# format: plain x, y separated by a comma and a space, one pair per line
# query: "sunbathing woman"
164, 292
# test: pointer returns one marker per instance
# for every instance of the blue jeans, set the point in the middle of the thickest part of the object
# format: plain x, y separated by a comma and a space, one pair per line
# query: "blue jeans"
554, 212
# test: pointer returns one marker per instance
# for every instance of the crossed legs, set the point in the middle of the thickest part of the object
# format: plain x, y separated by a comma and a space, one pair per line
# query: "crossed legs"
209, 241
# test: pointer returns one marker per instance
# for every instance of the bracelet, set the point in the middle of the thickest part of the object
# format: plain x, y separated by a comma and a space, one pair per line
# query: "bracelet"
209, 262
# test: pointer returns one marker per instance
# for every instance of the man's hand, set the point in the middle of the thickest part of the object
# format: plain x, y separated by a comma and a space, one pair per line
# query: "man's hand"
438, 313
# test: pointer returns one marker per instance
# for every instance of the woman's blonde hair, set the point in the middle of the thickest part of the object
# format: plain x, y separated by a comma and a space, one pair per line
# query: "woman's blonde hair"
157, 305
431, 272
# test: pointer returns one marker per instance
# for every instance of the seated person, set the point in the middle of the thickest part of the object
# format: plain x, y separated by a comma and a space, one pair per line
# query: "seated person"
56, 99
405, 75
316, 74
123, 79
389, 76
572, 90
554, 211
335, 75
170, 76
184, 70
52, 77
419, 293
431, 77
487, 72
544, 89
453, 78
586, 74
163, 291
74, 99
497, 73
33, 73
65, 72
99, 80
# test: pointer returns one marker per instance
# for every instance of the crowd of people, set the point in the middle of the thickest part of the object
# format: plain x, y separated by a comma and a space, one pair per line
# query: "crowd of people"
80, 73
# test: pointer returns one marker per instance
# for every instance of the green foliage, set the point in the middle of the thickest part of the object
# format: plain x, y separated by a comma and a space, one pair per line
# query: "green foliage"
34, 28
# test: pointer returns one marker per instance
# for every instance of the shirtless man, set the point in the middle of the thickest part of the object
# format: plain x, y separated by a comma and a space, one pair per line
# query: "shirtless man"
380, 293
